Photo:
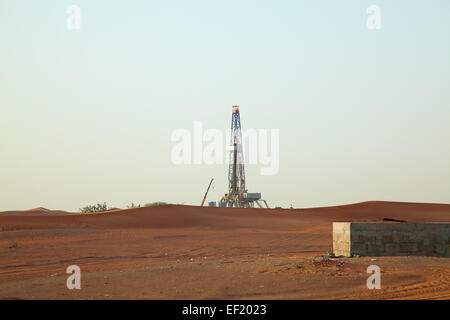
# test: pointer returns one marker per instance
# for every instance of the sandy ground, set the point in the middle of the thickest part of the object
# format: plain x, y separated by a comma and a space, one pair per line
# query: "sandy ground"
186, 252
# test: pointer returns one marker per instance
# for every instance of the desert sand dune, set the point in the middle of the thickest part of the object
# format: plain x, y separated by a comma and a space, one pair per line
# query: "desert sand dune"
174, 216
34, 211
379, 210
183, 252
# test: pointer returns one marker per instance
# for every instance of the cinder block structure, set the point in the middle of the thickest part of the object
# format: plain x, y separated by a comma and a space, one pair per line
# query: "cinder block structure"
391, 239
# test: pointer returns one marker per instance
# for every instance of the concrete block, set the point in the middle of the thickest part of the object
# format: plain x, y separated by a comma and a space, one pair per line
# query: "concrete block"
373, 238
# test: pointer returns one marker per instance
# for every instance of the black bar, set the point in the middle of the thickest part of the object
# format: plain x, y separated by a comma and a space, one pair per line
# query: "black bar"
223, 309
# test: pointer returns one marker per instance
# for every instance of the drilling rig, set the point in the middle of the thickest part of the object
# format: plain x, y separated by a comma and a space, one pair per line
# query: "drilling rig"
237, 195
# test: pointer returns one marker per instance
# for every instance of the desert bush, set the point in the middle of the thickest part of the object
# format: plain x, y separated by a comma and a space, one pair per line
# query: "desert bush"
95, 208
157, 203
132, 205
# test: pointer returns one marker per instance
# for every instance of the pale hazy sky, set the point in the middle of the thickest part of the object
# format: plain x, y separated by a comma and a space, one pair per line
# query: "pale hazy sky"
86, 116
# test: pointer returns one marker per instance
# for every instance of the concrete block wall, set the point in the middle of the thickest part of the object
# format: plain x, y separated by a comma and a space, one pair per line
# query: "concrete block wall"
390, 239
341, 239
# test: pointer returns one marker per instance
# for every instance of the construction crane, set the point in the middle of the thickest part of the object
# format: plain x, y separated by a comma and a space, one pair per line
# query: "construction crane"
237, 195
206, 193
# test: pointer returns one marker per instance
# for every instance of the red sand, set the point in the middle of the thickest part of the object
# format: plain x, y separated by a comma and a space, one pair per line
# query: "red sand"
35, 211
183, 252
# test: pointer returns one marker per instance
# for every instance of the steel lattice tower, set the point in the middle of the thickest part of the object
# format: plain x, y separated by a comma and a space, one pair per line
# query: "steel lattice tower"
236, 173
237, 195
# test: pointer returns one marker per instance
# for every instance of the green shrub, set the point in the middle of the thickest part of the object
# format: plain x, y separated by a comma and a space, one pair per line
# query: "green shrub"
158, 203
95, 208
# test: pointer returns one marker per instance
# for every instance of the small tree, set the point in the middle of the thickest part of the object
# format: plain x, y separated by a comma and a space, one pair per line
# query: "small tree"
94, 208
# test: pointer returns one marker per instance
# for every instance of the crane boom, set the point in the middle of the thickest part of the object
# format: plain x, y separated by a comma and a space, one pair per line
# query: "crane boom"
206, 193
